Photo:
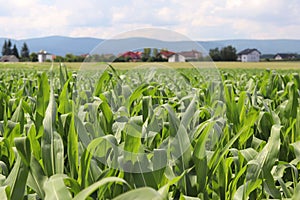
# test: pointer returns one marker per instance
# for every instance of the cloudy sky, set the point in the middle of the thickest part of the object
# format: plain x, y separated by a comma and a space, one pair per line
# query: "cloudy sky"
197, 19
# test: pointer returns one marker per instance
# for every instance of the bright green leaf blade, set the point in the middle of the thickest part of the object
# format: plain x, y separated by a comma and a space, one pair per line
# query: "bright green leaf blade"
140, 193
103, 182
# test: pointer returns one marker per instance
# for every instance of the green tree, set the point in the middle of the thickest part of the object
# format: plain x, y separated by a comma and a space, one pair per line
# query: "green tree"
59, 59
25, 52
155, 52
14, 51
4, 48
228, 53
146, 55
215, 54
33, 57
70, 57
9, 49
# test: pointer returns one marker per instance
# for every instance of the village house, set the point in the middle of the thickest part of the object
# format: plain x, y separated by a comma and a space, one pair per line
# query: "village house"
171, 56
176, 58
132, 56
182, 56
249, 55
285, 56
191, 55
165, 54
45, 56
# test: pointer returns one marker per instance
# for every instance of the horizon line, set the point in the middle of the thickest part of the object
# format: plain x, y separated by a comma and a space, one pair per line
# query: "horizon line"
198, 40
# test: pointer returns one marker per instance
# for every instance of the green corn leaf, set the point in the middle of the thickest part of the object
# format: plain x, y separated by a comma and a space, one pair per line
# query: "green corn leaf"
85, 162
65, 104
37, 177
18, 115
17, 180
102, 83
107, 122
200, 157
52, 145
72, 149
55, 188
189, 113
4, 192
132, 143
62, 74
92, 188
136, 95
145, 193
296, 195
34, 142
43, 96
24, 150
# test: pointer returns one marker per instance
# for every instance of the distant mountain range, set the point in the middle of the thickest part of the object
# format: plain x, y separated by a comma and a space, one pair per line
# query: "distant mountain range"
61, 45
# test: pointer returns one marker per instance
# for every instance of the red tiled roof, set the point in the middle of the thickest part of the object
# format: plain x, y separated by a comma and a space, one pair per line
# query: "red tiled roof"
166, 53
132, 55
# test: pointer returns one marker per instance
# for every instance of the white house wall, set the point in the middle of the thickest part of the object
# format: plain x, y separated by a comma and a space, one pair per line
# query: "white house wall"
40, 58
44, 57
49, 57
176, 58
251, 57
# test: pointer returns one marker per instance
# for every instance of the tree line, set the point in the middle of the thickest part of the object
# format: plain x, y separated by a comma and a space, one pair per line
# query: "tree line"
9, 49
227, 53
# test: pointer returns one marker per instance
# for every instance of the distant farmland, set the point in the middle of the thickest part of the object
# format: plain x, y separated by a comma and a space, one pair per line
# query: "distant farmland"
129, 65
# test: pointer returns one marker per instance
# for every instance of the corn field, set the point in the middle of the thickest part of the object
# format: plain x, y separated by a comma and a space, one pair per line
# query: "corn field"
117, 134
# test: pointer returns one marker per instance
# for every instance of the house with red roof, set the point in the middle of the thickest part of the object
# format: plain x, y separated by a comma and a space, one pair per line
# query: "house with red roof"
132, 56
165, 54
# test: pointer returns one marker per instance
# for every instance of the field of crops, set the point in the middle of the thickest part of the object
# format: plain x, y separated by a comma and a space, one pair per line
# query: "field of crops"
149, 134
127, 65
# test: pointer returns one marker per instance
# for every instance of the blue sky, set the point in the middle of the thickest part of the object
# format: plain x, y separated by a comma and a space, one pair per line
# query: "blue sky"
197, 19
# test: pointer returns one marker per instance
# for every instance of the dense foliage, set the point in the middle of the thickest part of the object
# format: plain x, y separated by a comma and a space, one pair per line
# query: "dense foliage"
227, 53
59, 132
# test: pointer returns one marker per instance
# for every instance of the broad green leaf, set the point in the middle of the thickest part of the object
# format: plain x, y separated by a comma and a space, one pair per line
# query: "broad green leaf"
72, 149
145, 193
24, 150
92, 188
51, 143
137, 94
34, 142
17, 179
4, 193
200, 157
36, 177
43, 96
102, 83
85, 162
189, 113
296, 195
132, 143
55, 188
18, 115
65, 104
107, 122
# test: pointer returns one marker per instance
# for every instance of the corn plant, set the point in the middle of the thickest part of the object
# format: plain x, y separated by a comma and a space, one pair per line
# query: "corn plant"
149, 134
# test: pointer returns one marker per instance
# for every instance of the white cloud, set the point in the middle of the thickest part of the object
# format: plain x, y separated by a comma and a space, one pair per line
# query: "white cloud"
201, 20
